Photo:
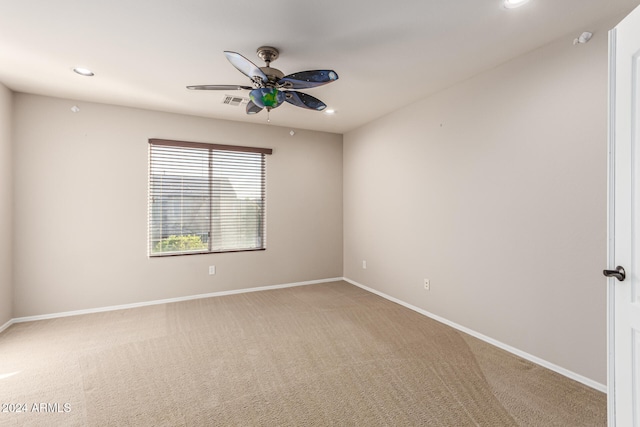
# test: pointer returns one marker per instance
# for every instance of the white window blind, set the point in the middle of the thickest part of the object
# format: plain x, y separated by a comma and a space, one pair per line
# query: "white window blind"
205, 198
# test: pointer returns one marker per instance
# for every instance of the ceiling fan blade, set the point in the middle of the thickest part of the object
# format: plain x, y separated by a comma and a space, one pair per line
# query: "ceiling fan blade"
303, 100
245, 66
253, 108
219, 87
308, 79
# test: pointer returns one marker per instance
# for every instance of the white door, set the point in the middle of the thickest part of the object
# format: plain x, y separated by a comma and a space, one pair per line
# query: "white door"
624, 222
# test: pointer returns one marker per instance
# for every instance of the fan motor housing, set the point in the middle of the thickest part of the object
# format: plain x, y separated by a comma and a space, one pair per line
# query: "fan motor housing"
269, 54
272, 73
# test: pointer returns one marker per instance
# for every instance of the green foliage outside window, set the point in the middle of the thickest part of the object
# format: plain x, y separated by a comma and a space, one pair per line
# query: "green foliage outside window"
190, 242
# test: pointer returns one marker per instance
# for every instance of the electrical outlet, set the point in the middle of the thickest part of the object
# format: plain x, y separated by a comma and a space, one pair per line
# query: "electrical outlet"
212, 269
427, 285
364, 265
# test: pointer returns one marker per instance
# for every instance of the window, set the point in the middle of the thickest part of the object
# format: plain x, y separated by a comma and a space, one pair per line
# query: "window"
205, 198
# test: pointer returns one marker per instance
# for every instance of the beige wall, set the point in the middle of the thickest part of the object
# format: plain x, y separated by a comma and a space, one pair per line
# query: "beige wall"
495, 190
81, 208
6, 206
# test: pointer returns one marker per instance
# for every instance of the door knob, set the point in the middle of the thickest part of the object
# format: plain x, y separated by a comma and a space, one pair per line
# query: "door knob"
618, 273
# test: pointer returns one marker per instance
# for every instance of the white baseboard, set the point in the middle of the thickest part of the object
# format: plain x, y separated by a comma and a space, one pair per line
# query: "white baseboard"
164, 301
6, 325
562, 371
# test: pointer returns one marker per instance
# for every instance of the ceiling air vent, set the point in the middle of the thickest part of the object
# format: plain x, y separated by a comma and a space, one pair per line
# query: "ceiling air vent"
234, 100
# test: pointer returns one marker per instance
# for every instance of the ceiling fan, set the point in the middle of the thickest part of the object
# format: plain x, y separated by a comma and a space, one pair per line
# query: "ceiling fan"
271, 88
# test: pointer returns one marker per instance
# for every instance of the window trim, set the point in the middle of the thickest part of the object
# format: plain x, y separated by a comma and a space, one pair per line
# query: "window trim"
207, 146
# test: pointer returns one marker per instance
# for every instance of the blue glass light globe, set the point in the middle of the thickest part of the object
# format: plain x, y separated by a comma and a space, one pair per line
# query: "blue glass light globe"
267, 97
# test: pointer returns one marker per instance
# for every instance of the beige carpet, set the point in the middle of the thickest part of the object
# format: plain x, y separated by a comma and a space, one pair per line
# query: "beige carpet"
319, 355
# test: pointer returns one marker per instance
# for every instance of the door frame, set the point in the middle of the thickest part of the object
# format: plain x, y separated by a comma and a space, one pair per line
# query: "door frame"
611, 169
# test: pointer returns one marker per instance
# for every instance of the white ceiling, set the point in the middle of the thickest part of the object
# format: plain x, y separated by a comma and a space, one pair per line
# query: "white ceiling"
387, 54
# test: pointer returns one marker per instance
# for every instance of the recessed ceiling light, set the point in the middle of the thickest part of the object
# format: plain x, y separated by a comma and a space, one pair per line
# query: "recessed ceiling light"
329, 111
83, 71
510, 4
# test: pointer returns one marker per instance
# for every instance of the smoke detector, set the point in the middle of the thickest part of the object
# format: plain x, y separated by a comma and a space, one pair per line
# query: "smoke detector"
584, 38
